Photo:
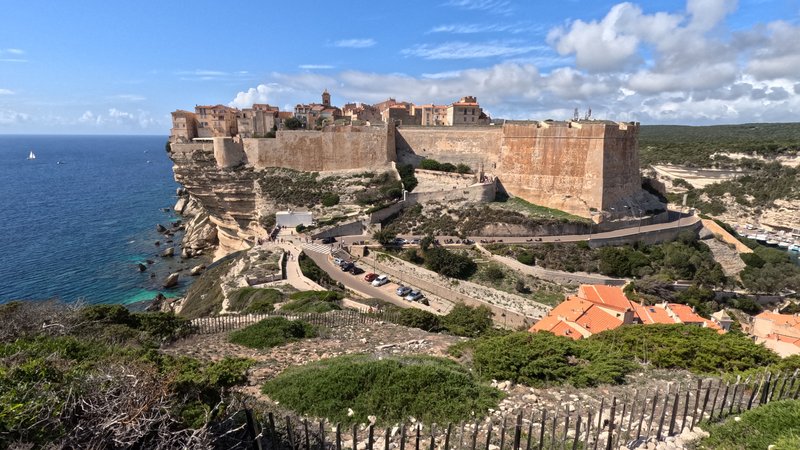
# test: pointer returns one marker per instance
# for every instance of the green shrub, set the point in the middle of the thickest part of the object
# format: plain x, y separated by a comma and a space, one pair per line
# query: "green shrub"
406, 172
429, 389
418, 318
493, 273
467, 321
449, 264
526, 258
752, 260
776, 423
313, 272
330, 199
272, 332
541, 359
313, 302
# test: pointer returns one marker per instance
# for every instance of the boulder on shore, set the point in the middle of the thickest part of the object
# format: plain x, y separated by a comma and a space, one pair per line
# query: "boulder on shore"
171, 281
156, 304
141, 267
186, 253
160, 228
197, 270
170, 251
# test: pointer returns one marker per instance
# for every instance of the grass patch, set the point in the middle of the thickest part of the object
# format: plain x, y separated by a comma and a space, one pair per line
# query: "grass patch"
313, 302
776, 423
204, 297
272, 332
313, 272
392, 389
534, 210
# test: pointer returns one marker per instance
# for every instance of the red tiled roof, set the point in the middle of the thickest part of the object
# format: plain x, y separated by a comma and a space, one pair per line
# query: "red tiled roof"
609, 296
649, 315
780, 319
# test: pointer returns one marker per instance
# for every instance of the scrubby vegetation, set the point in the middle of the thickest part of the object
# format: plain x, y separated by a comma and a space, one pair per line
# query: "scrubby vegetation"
84, 377
204, 297
433, 390
769, 271
686, 258
540, 359
314, 273
775, 426
406, 172
462, 320
255, 300
272, 332
313, 302
694, 146
432, 164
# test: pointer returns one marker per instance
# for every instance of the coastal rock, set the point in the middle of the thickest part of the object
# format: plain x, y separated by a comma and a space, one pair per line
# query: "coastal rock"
200, 233
180, 192
197, 270
186, 253
141, 267
157, 243
149, 261
171, 281
169, 251
180, 205
165, 209
160, 228
157, 303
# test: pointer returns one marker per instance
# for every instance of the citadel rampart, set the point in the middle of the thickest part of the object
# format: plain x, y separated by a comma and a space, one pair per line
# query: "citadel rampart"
336, 148
474, 146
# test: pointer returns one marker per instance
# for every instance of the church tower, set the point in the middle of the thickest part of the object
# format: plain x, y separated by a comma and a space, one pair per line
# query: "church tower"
326, 98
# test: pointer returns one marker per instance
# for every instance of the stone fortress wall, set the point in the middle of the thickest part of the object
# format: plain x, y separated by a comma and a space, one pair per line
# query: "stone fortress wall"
336, 148
582, 167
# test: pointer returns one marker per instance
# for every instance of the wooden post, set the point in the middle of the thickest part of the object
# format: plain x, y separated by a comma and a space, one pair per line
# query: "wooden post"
599, 424
402, 436
339, 437
370, 436
756, 387
630, 417
566, 426
475, 436
652, 414
610, 441
289, 434
641, 415
733, 397
321, 435
488, 436
273, 438
553, 438
724, 398
685, 409
305, 429
416, 441
355, 436
705, 403
714, 403
621, 423
674, 412
541, 431
791, 385
461, 436
577, 433
447, 436
663, 413
502, 434
530, 433
252, 432
433, 437
765, 390
386, 438
588, 431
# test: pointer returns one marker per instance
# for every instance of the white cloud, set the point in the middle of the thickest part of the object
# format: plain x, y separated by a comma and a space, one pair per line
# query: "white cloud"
212, 75
128, 97
13, 51
473, 28
117, 119
9, 117
468, 50
263, 93
6, 92
355, 43
500, 7
315, 66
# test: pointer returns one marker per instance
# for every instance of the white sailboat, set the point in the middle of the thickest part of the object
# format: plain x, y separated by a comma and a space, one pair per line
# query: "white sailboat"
31, 156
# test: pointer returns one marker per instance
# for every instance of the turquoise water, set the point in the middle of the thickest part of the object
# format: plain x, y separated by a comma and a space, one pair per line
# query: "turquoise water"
76, 230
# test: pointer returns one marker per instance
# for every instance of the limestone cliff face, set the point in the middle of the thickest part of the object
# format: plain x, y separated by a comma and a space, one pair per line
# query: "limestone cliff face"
219, 202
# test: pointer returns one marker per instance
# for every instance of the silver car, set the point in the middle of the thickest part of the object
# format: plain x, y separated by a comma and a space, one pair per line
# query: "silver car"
414, 296
402, 291
380, 281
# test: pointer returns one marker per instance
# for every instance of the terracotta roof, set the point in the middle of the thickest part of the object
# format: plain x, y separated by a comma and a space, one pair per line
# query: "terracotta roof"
649, 315
576, 313
783, 338
685, 313
780, 319
596, 320
609, 296
464, 104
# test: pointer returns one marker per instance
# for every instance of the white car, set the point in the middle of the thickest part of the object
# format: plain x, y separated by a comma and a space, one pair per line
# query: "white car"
380, 281
414, 296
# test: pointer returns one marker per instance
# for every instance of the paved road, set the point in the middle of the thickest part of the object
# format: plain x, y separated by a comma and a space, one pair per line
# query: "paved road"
358, 284
624, 232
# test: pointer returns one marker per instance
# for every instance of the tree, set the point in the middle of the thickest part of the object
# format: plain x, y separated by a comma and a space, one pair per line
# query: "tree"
384, 237
330, 199
467, 321
293, 123
426, 242
450, 264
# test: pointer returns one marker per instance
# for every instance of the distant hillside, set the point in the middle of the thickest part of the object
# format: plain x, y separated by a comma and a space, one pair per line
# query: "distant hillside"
693, 146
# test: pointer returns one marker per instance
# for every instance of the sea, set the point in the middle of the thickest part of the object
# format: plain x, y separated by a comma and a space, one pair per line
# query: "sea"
75, 221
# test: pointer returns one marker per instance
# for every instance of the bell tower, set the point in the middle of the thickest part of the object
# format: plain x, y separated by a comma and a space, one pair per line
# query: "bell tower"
326, 98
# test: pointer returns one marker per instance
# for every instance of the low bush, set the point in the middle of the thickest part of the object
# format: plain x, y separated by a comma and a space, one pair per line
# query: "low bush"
433, 390
313, 272
467, 321
775, 425
418, 318
330, 199
313, 302
449, 264
254, 300
272, 332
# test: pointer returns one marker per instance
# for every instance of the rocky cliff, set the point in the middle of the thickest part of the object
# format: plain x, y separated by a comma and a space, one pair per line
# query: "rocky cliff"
218, 203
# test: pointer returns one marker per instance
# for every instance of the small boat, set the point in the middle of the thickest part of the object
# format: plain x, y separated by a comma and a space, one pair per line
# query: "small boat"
772, 242
794, 248
784, 244
751, 237
761, 237
59, 162
31, 155
148, 161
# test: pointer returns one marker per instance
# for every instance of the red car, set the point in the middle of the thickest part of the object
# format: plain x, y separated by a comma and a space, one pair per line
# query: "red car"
370, 276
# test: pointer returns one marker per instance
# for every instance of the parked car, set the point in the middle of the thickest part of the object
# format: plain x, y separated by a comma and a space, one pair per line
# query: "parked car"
338, 261
414, 296
380, 281
415, 241
370, 277
402, 291
355, 270
328, 240
346, 266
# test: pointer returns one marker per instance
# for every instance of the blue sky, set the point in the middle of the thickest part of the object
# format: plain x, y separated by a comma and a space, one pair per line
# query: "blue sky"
121, 67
